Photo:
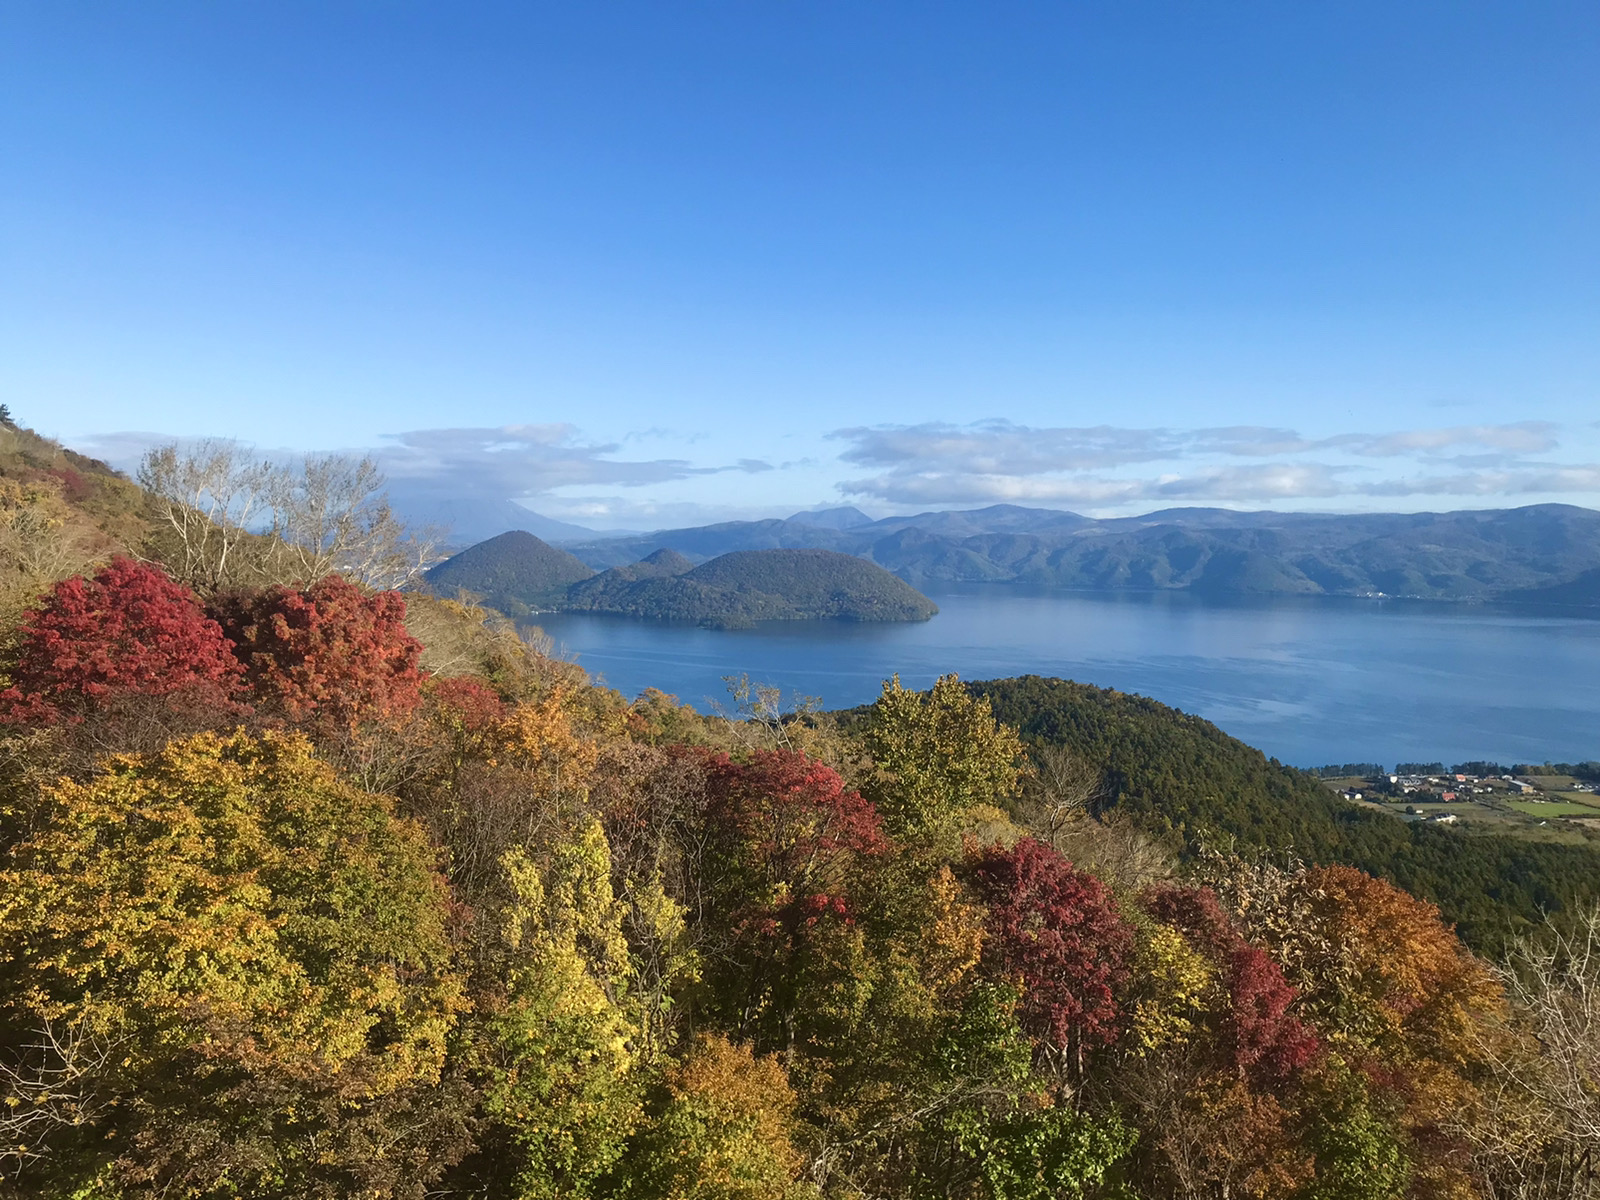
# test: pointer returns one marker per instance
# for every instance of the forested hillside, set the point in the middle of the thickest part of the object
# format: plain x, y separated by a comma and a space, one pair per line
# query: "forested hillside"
313, 888
1184, 780
515, 573
1546, 553
753, 585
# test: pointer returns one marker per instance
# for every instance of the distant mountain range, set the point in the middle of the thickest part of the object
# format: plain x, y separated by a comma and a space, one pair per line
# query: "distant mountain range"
520, 575
1545, 552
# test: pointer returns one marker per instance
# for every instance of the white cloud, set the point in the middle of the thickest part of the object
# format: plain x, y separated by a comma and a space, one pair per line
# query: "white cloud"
999, 447
996, 461
1263, 483
507, 463
1524, 437
122, 450
516, 461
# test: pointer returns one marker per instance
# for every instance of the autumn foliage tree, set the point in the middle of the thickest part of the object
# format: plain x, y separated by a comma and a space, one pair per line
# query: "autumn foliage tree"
127, 632
1263, 1039
42, 541
330, 656
1395, 994
1390, 971
466, 712
784, 836
559, 1049
720, 1127
225, 972
791, 828
938, 755
1215, 1061
1058, 932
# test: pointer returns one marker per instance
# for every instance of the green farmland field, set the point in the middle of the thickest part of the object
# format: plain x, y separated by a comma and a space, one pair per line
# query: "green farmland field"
1554, 808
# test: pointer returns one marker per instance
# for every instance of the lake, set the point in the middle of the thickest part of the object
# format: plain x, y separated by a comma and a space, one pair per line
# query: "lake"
1309, 680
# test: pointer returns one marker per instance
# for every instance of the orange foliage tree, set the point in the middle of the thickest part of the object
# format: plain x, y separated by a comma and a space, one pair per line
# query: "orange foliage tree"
720, 1127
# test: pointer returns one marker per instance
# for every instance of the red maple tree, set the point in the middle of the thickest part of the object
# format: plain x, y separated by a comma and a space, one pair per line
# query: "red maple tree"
331, 655
790, 827
465, 701
466, 712
128, 631
1058, 932
787, 852
1261, 1038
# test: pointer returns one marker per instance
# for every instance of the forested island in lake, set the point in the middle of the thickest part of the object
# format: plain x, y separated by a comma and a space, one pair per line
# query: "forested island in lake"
519, 574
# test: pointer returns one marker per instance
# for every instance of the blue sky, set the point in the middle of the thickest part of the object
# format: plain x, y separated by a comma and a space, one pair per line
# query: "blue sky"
659, 263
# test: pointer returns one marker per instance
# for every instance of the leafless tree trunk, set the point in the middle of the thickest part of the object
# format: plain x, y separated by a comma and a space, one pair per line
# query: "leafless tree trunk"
332, 516
1062, 789
234, 520
208, 498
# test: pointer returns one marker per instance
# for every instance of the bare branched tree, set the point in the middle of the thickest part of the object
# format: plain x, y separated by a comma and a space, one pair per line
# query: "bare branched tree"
1060, 791
1058, 805
758, 718
208, 497
234, 520
1553, 984
1117, 850
1519, 1150
54, 1083
333, 517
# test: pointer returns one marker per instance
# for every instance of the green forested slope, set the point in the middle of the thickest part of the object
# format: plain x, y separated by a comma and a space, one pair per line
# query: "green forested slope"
1182, 777
818, 583
614, 588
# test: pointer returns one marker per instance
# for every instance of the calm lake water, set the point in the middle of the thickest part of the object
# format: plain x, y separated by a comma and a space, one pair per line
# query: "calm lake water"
1309, 680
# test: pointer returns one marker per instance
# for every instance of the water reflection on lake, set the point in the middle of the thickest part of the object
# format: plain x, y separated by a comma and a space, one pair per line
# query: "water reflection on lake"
1309, 680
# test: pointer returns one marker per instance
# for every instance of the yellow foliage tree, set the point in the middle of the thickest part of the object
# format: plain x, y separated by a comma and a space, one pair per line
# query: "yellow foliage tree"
1174, 984
542, 736
953, 933
41, 543
561, 1051
938, 756
238, 961
721, 1128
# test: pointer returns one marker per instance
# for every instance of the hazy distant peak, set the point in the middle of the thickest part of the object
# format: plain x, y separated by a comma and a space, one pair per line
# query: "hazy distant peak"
845, 517
467, 522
